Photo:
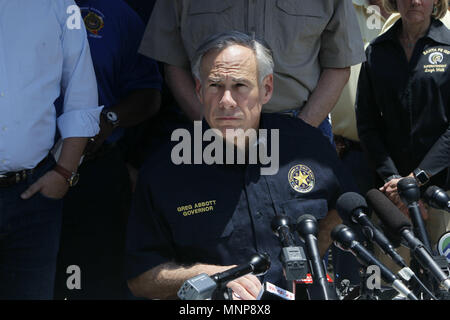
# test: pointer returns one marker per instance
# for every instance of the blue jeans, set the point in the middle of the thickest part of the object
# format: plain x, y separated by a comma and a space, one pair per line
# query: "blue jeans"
29, 241
327, 130
325, 126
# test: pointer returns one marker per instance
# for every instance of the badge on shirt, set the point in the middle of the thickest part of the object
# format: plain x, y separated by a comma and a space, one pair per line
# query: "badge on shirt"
444, 245
301, 178
436, 57
94, 22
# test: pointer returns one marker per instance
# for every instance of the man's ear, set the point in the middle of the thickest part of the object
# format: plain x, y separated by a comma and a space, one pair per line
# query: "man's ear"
267, 87
198, 90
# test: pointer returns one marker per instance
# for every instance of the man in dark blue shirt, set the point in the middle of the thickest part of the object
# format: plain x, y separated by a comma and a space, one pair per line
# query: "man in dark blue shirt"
95, 213
202, 211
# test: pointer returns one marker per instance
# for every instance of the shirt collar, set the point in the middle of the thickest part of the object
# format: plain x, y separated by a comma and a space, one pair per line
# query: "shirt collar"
438, 32
361, 3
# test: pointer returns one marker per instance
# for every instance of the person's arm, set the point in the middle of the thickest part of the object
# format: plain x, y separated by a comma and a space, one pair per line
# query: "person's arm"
370, 126
437, 158
80, 116
52, 184
164, 281
325, 95
135, 108
182, 86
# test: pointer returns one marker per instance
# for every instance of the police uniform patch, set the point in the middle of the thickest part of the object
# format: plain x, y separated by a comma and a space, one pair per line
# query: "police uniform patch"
444, 245
301, 178
435, 58
93, 22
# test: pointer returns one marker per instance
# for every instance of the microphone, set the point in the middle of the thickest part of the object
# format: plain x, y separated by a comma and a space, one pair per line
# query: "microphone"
345, 239
292, 257
270, 291
258, 265
395, 220
203, 286
437, 198
352, 205
307, 229
409, 193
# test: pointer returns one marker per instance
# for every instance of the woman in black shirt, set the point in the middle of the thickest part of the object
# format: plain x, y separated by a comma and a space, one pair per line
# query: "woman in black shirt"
403, 99
403, 102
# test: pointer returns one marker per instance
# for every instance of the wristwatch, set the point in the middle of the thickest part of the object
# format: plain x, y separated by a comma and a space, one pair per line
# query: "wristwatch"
71, 177
421, 176
111, 117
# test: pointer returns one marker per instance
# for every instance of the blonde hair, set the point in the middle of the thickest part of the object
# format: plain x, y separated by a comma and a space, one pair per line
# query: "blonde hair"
442, 6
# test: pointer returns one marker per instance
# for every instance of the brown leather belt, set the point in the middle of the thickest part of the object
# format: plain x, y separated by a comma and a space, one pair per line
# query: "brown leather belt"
11, 178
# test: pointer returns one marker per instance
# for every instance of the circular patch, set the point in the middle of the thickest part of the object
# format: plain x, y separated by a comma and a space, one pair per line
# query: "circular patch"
93, 22
301, 178
444, 245
435, 58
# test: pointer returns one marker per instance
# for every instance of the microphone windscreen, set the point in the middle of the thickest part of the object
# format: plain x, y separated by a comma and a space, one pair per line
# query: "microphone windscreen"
336, 231
348, 202
406, 183
389, 214
305, 217
429, 193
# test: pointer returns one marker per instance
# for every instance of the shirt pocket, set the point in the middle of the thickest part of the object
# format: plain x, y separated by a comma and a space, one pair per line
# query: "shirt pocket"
204, 19
202, 231
295, 208
297, 26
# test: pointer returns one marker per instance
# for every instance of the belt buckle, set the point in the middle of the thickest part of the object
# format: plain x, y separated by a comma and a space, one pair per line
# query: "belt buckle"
292, 113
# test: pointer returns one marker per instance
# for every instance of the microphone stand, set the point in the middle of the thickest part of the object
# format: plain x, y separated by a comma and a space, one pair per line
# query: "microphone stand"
365, 292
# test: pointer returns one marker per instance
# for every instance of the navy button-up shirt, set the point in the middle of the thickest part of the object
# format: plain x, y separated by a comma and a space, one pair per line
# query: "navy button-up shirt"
221, 214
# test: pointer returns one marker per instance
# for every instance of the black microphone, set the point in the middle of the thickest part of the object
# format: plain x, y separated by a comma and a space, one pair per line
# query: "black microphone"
307, 228
352, 206
409, 193
345, 239
203, 286
292, 257
437, 198
398, 223
258, 265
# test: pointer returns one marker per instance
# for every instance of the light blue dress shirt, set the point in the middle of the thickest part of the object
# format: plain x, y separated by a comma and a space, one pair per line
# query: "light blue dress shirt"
44, 53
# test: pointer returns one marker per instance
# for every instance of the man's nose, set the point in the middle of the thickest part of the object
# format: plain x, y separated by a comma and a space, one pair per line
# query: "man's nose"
227, 100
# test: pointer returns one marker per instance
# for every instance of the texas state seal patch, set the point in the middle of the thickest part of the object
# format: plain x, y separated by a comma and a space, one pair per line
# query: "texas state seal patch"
301, 178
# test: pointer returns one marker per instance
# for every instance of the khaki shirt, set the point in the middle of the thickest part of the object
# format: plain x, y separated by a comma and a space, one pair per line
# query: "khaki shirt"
305, 36
343, 115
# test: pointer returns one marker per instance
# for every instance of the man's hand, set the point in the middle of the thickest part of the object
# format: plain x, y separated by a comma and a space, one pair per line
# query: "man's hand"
51, 185
94, 143
391, 191
164, 281
245, 288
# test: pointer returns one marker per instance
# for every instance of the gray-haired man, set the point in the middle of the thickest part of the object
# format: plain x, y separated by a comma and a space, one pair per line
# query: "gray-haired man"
206, 218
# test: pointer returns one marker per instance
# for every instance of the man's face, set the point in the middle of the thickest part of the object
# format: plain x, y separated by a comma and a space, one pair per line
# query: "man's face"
229, 89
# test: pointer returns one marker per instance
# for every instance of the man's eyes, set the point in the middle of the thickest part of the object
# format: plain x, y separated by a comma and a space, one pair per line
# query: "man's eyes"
218, 85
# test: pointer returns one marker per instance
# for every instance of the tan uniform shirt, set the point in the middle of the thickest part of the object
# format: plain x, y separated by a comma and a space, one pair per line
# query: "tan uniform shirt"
343, 115
305, 36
